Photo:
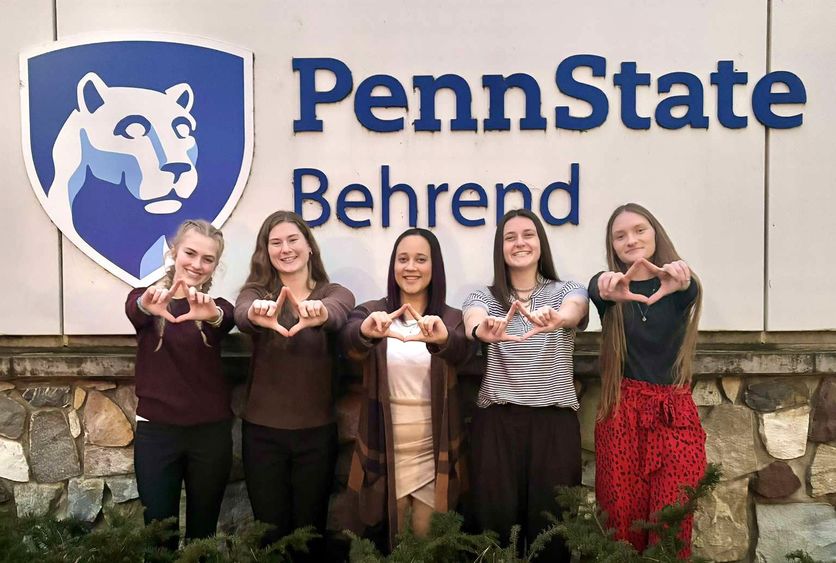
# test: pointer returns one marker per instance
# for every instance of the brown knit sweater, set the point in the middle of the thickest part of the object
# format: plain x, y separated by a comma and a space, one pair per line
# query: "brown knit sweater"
290, 382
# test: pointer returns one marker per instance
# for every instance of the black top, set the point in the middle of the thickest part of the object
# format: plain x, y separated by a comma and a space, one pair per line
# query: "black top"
653, 343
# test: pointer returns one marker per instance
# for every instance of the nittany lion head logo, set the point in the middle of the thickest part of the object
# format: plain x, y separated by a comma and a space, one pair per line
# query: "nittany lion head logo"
124, 139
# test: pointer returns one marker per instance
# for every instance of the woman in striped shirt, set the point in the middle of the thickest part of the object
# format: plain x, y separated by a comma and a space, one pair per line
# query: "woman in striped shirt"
526, 437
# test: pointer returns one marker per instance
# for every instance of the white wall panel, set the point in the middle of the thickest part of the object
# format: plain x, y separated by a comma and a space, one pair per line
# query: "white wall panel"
30, 284
705, 186
802, 200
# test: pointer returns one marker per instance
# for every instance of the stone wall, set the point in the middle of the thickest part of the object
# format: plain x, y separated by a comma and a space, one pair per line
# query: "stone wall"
67, 423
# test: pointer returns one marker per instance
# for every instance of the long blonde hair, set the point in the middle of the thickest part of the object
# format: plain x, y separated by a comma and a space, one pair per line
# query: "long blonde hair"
206, 229
613, 342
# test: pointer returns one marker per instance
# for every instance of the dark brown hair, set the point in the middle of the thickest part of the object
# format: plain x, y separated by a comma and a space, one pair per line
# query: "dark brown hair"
501, 288
613, 341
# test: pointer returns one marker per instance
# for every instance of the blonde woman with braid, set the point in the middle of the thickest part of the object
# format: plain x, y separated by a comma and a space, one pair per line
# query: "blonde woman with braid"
183, 415
648, 437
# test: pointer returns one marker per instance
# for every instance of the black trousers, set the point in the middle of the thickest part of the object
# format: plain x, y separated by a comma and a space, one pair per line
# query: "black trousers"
289, 477
520, 454
166, 455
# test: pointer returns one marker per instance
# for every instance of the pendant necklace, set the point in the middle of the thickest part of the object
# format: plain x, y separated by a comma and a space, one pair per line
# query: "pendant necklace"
646, 309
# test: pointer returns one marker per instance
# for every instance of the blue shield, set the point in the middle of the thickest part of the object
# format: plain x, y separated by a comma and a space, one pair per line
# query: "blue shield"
126, 137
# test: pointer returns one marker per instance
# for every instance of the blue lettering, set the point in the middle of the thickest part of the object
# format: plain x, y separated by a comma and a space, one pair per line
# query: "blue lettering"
502, 191
309, 96
364, 102
567, 84
428, 87
432, 195
693, 100
497, 85
573, 189
458, 203
343, 205
725, 78
386, 192
318, 195
763, 98
627, 80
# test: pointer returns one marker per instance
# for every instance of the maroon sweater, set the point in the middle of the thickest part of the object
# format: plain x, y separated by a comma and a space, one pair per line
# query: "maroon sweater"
290, 385
182, 383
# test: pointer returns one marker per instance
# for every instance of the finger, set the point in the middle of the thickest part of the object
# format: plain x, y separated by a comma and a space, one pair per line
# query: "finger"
515, 306
316, 308
192, 295
271, 309
413, 312
499, 327
510, 338
614, 281
426, 327
395, 314
303, 310
686, 270
282, 330
168, 316
489, 322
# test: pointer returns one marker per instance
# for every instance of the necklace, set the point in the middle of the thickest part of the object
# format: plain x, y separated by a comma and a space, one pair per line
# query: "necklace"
646, 309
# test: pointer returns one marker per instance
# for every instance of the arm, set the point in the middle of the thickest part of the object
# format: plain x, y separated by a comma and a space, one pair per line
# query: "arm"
242, 306
139, 319
354, 344
339, 302
575, 310
458, 349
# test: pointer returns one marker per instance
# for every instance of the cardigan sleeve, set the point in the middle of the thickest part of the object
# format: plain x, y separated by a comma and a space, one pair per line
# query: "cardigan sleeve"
458, 350
354, 344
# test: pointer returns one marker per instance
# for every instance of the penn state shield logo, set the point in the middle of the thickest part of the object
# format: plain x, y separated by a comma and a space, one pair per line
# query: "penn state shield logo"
125, 137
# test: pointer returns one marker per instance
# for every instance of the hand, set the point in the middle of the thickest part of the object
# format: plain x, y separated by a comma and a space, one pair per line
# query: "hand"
544, 319
492, 329
675, 276
615, 286
377, 324
201, 306
155, 300
265, 313
432, 329
310, 313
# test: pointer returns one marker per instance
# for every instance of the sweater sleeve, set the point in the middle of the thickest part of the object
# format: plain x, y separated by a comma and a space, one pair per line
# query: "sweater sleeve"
229, 318
134, 314
339, 302
242, 305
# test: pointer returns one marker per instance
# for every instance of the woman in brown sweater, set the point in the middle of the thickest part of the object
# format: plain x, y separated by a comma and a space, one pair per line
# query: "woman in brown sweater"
408, 452
289, 436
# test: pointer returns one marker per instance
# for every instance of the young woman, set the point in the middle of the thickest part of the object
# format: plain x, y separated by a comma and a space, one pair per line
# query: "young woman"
648, 438
407, 457
183, 415
289, 436
526, 437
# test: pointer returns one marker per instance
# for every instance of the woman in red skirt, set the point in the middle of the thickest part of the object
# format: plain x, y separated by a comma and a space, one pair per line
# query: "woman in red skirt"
648, 439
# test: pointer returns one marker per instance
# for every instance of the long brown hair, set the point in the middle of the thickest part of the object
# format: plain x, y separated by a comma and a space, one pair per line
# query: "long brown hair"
263, 276
206, 229
501, 288
613, 342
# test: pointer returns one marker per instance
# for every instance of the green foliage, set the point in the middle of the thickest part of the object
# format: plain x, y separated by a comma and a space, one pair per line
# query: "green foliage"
800, 556
121, 540
584, 526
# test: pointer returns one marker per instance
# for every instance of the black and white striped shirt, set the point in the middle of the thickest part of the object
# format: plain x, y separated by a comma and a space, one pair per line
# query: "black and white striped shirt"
537, 372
